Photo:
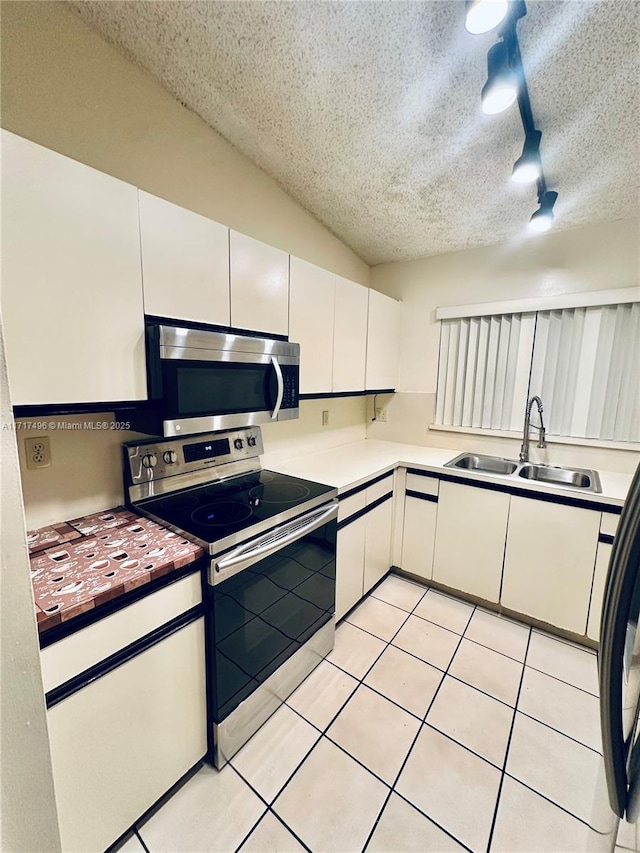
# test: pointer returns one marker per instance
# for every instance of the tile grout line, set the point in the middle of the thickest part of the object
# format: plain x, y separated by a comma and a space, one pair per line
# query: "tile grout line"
331, 721
562, 681
559, 732
506, 755
136, 833
413, 743
266, 811
549, 800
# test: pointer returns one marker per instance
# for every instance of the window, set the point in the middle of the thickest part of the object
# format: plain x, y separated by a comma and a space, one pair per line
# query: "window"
584, 362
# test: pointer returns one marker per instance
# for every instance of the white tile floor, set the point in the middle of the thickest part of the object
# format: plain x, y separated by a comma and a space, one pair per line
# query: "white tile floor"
432, 726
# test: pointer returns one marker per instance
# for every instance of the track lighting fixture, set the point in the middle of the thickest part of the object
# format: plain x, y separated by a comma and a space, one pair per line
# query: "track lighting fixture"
501, 88
528, 167
485, 15
542, 219
506, 83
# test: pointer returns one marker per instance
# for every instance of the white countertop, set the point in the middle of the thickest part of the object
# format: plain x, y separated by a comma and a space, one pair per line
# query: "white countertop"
349, 465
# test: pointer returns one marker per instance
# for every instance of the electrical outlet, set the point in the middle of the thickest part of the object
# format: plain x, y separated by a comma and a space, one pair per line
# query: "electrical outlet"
381, 414
325, 417
38, 452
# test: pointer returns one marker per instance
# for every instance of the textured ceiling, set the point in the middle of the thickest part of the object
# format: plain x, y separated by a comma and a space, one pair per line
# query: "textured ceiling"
368, 113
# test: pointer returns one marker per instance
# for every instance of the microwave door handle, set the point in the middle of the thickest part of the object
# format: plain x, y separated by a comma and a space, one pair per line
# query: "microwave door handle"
278, 372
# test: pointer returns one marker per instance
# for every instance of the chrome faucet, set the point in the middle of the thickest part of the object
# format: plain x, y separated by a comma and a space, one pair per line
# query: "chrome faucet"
524, 450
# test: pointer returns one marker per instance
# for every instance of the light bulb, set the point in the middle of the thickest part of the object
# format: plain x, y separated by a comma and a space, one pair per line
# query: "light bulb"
540, 222
497, 98
542, 219
501, 88
528, 167
484, 15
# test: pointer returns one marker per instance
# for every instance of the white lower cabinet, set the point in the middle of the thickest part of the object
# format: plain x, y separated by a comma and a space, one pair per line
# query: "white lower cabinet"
549, 562
470, 536
603, 555
377, 550
350, 565
419, 525
418, 536
121, 742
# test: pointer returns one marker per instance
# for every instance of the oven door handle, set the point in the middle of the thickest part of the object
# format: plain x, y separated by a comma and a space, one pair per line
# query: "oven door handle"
278, 372
251, 552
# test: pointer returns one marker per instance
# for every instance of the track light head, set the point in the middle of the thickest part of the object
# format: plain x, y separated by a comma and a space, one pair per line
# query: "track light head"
485, 15
501, 88
542, 219
528, 167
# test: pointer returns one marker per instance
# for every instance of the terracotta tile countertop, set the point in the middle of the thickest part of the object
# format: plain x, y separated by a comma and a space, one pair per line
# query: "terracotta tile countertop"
82, 563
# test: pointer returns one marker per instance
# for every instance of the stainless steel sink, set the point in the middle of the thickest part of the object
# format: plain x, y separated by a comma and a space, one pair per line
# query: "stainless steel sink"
483, 464
573, 478
576, 478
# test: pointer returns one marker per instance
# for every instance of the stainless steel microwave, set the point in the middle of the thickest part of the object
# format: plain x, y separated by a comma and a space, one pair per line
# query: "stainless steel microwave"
202, 380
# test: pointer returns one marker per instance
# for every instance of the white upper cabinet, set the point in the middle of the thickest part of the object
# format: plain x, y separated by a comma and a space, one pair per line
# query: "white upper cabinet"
185, 263
259, 286
312, 305
383, 342
71, 281
350, 335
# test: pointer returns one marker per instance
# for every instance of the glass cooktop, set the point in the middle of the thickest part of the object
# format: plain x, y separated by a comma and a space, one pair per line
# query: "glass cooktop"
218, 510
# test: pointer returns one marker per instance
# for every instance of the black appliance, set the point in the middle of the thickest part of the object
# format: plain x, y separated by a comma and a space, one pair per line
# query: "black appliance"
270, 591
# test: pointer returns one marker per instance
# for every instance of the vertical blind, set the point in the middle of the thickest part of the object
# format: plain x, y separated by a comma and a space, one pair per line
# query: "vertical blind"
483, 371
586, 369
583, 362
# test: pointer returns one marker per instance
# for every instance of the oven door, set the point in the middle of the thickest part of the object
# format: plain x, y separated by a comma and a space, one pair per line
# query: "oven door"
207, 381
267, 599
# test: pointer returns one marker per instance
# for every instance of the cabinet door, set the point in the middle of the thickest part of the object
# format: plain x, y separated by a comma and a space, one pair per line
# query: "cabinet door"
377, 552
603, 555
259, 286
470, 535
418, 536
383, 341
312, 306
350, 335
350, 565
185, 263
71, 280
121, 742
549, 562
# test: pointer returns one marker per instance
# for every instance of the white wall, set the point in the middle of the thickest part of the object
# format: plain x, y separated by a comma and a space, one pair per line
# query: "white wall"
28, 818
592, 257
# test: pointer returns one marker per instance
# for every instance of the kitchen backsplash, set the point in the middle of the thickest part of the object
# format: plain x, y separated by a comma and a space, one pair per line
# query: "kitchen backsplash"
86, 470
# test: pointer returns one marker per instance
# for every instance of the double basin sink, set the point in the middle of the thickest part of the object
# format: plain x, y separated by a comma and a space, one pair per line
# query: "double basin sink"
574, 478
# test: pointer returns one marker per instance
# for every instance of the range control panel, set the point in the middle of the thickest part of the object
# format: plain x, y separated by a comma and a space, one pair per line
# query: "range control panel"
155, 459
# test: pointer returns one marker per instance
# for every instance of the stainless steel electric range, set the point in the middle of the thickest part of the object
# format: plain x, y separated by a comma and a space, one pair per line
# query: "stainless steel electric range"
270, 591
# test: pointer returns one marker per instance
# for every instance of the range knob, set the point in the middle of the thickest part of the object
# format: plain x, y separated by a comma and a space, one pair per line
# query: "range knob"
149, 460
238, 444
170, 456
251, 441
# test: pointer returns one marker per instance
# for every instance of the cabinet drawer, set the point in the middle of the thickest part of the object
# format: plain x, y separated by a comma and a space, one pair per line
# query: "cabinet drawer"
379, 489
348, 506
424, 485
609, 523
67, 658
